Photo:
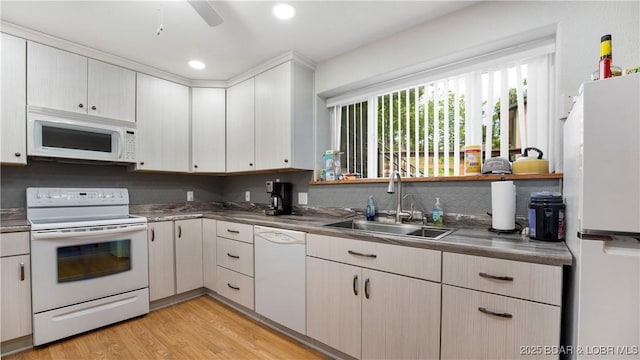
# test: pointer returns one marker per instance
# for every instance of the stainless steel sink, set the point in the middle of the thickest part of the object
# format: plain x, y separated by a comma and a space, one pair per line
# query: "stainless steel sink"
420, 231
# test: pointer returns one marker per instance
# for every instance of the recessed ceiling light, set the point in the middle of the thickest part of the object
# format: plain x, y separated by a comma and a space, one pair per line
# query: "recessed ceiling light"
284, 11
198, 65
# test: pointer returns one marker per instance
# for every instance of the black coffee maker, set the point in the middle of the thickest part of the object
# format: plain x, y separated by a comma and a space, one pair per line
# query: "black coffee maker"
280, 198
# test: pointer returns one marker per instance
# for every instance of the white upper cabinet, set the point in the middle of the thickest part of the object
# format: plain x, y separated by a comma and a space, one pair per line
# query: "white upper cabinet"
283, 117
240, 127
208, 130
13, 101
162, 141
61, 80
111, 91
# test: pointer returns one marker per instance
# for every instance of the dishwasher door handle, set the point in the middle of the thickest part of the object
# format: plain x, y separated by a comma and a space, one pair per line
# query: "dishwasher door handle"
279, 238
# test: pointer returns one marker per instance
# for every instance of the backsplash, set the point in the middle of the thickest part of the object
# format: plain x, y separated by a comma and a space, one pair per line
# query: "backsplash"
456, 197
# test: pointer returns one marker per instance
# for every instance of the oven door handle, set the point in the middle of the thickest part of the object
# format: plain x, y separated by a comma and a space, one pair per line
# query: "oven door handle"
57, 234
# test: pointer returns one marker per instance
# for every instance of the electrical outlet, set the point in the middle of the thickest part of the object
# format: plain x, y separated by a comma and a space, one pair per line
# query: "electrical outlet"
247, 196
189, 195
302, 198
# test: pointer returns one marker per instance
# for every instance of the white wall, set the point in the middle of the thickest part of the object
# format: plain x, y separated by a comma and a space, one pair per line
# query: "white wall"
483, 27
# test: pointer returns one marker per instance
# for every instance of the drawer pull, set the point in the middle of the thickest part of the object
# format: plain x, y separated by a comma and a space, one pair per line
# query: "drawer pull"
233, 287
488, 312
233, 231
233, 256
361, 254
366, 288
488, 276
21, 271
355, 285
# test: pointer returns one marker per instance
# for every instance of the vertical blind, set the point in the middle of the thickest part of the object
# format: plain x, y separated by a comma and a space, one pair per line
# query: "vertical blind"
422, 130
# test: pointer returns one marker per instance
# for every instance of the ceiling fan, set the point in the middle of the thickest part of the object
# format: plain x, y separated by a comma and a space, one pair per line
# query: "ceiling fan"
206, 11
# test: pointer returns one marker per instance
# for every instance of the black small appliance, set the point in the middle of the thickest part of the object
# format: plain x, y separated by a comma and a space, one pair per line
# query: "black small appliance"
280, 198
546, 216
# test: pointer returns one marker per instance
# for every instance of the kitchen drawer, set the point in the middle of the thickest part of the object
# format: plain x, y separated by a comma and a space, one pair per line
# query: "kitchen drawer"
403, 260
469, 330
523, 280
235, 287
14, 243
235, 231
235, 255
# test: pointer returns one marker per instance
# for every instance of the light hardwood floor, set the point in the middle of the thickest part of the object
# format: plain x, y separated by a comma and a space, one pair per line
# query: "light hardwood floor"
201, 328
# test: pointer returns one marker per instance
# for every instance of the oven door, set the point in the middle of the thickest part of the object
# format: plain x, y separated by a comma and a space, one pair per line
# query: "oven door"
73, 265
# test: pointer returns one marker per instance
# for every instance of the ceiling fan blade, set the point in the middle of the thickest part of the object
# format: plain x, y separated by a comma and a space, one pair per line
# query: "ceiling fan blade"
206, 12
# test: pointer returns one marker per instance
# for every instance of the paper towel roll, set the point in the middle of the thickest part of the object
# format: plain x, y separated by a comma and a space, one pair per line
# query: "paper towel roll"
503, 205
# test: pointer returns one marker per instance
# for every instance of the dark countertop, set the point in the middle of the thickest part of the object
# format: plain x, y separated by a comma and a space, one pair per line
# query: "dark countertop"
472, 240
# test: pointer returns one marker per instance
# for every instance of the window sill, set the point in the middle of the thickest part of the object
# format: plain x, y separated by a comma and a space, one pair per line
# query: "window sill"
444, 178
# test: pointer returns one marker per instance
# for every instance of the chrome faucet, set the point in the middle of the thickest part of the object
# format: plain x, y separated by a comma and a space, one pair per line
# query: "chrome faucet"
391, 189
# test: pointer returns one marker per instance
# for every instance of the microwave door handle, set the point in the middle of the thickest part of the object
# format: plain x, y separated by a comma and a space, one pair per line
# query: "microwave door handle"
74, 234
120, 144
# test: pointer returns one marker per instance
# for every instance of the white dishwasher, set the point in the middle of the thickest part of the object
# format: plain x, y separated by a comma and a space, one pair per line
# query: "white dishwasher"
280, 268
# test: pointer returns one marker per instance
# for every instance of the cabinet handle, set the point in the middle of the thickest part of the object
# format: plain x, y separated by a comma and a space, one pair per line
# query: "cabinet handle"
233, 287
489, 276
195, 166
233, 256
141, 162
17, 154
80, 106
250, 164
355, 285
233, 231
489, 312
361, 254
21, 271
153, 234
93, 107
366, 288
179, 231
286, 160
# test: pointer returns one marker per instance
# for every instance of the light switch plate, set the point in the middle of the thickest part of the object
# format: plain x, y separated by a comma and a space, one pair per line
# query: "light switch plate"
247, 196
189, 195
302, 198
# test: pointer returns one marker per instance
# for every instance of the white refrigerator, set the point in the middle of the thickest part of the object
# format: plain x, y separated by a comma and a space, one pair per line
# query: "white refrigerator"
601, 186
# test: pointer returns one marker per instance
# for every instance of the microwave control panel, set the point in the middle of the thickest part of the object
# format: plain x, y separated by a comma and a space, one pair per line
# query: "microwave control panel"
129, 146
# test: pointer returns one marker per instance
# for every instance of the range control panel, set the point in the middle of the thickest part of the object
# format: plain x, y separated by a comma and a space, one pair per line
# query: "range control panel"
63, 197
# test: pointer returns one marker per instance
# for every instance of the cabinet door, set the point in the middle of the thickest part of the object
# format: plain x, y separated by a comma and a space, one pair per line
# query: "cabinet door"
111, 91
13, 117
188, 237
479, 325
163, 125
16, 296
209, 253
273, 117
240, 131
56, 79
161, 260
208, 130
400, 317
333, 304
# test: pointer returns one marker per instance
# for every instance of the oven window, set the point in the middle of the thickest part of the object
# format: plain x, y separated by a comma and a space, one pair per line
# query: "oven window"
75, 139
82, 262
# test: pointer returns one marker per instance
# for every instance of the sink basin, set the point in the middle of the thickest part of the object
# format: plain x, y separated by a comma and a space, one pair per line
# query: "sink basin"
419, 231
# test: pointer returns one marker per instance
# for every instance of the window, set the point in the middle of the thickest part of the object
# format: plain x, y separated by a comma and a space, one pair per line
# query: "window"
421, 129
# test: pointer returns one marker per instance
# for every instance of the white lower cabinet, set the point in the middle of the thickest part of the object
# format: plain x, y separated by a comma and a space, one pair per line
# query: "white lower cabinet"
209, 253
15, 295
499, 309
162, 273
480, 325
370, 314
188, 238
175, 257
235, 263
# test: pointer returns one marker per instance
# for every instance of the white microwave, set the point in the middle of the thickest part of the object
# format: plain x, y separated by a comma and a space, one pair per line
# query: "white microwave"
79, 138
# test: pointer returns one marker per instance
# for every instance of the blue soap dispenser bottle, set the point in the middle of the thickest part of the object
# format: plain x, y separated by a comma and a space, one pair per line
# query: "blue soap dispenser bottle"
371, 209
